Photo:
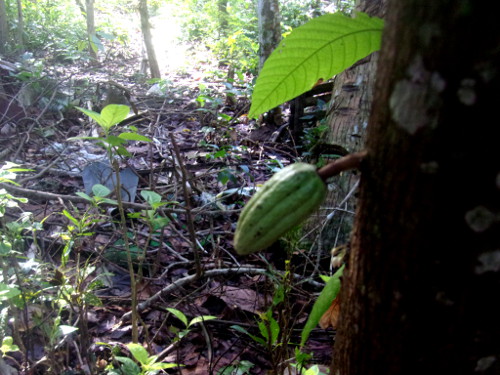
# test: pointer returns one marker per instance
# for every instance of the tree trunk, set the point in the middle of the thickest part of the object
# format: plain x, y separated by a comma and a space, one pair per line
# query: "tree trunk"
422, 279
4, 27
268, 15
223, 16
91, 28
148, 39
20, 25
347, 120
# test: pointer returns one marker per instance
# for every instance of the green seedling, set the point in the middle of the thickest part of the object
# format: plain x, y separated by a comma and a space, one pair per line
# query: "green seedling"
148, 364
110, 116
187, 324
240, 368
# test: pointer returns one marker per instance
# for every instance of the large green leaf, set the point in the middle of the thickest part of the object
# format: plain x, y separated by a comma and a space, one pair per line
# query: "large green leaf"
327, 295
321, 48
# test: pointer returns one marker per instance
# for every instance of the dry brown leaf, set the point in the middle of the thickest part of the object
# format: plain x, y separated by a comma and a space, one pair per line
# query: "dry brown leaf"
331, 317
244, 299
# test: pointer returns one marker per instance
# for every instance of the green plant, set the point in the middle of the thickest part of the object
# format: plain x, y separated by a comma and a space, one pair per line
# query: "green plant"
8, 346
276, 323
187, 323
323, 302
153, 219
319, 49
144, 363
240, 368
110, 116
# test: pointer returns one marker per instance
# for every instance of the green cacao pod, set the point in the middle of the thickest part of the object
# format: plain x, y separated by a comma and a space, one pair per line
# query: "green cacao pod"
284, 201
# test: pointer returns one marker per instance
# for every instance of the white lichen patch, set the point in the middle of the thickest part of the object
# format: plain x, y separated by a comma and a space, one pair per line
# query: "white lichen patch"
488, 262
479, 219
485, 363
406, 95
414, 97
467, 93
437, 82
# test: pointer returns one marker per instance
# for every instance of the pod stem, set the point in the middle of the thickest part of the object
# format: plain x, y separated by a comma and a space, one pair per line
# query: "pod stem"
348, 162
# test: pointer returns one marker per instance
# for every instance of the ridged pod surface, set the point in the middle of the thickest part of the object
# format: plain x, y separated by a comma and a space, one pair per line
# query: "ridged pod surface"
284, 201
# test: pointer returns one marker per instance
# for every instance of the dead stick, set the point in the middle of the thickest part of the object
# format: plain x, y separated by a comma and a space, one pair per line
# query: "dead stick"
187, 206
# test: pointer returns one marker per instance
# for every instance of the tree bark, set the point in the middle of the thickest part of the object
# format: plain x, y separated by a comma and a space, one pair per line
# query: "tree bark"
347, 121
20, 25
268, 15
4, 27
420, 288
89, 8
148, 39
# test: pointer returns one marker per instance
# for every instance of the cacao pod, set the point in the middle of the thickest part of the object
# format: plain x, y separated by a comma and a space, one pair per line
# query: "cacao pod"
284, 201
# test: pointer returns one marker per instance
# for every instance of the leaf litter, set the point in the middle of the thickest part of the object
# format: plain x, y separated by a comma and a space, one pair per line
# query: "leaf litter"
225, 161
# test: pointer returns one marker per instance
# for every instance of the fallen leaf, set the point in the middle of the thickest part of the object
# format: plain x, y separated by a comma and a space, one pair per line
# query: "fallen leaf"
331, 317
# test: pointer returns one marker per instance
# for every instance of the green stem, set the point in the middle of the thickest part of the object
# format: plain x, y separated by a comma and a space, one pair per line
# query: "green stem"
133, 281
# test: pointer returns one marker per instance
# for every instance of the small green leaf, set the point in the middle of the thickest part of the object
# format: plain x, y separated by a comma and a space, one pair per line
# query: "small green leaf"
100, 190
159, 222
93, 115
139, 352
122, 151
319, 49
151, 197
8, 292
128, 367
275, 330
8, 345
83, 195
108, 201
179, 315
225, 175
134, 137
113, 114
254, 338
113, 140
328, 294
263, 330
200, 319
70, 217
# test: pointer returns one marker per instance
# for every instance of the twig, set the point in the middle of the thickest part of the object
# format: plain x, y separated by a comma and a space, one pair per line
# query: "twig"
208, 273
44, 170
187, 206
30, 193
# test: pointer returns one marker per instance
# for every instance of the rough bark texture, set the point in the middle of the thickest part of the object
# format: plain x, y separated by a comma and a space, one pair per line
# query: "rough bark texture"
91, 27
148, 39
421, 287
347, 122
269, 28
20, 25
4, 26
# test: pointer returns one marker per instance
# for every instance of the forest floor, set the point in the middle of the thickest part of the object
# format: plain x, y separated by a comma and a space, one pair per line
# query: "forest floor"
76, 271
